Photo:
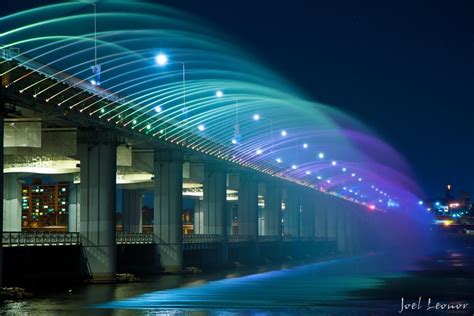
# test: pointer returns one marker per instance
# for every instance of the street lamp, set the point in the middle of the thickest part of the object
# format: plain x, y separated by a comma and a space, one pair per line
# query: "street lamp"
162, 60
257, 117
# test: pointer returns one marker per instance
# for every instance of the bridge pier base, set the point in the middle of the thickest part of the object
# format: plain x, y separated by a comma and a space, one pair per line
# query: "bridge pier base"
167, 227
97, 152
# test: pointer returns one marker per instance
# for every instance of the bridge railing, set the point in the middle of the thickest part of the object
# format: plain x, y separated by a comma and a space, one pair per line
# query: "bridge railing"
201, 238
239, 238
269, 238
23, 239
122, 238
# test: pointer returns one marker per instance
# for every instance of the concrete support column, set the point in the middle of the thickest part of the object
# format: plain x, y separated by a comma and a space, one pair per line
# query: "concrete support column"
215, 204
198, 217
248, 205
272, 210
168, 226
307, 215
132, 205
74, 209
97, 150
2, 116
341, 228
11, 203
292, 210
331, 216
321, 217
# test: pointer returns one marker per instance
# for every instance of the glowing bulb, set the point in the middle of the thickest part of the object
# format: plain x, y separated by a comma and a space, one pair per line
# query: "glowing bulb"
353, 174
308, 172
321, 155
201, 127
234, 141
134, 122
284, 133
259, 151
420, 202
279, 160
360, 179
157, 109
148, 126
161, 59
219, 93
305, 145
93, 82
256, 117
333, 163
328, 181
319, 177
344, 169
294, 167
372, 207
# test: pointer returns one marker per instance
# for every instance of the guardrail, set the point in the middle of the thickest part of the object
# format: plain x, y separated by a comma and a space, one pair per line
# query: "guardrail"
269, 238
24, 239
201, 239
133, 238
239, 238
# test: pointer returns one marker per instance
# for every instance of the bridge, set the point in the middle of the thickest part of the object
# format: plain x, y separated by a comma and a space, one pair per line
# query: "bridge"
226, 179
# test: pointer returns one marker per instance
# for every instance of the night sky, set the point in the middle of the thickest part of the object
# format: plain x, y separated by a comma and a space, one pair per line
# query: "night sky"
405, 68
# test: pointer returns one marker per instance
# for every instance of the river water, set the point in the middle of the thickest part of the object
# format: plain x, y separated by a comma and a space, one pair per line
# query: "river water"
368, 284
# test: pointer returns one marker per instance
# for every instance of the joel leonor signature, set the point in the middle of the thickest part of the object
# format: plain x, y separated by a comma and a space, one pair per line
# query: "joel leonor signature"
429, 305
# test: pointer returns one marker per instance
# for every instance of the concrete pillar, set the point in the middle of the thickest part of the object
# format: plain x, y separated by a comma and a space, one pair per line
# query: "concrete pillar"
198, 217
11, 203
272, 210
214, 208
97, 150
2, 116
168, 226
331, 216
132, 211
341, 228
248, 205
74, 209
292, 210
321, 216
307, 215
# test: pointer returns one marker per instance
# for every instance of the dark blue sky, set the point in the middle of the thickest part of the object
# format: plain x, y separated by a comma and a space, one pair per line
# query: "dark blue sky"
405, 68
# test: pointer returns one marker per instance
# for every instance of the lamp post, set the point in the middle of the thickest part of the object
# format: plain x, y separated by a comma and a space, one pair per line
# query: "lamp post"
257, 117
162, 60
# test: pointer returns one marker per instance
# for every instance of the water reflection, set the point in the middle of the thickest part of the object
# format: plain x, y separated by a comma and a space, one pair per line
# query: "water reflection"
369, 284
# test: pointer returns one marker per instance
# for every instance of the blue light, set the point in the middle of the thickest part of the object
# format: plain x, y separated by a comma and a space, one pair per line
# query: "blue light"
256, 117
161, 59
219, 93
420, 202
321, 155
201, 127
279, 160
158, 109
